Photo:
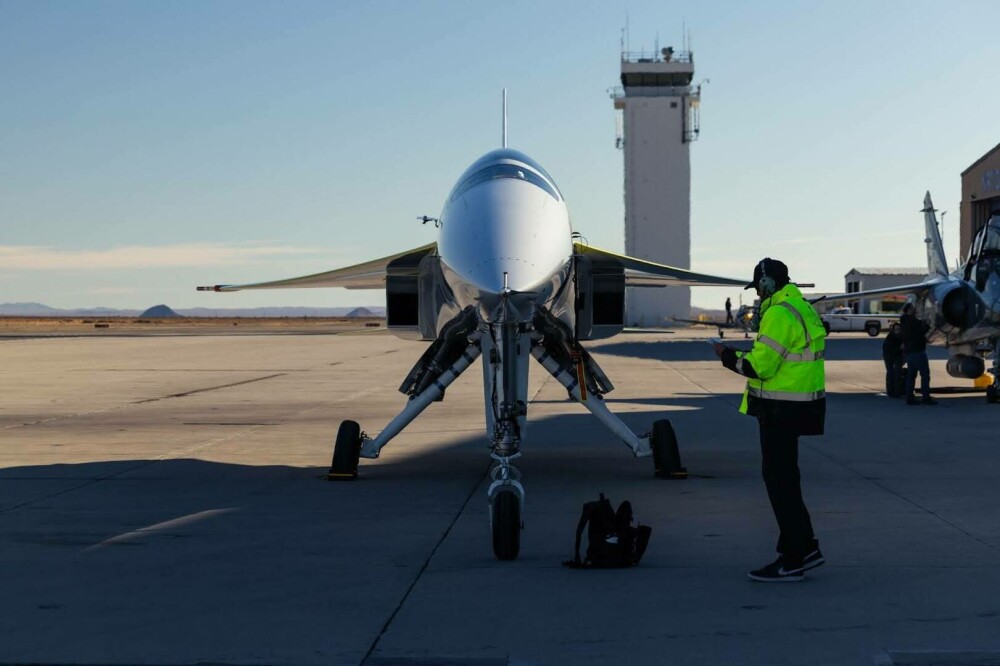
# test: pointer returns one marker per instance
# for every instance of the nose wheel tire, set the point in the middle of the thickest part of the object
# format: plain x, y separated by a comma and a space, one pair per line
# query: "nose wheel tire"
346, 451
506, 523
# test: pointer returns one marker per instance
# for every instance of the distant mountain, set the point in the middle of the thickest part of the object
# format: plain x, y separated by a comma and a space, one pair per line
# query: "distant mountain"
41, 310
28, 310
159, 312
280, 312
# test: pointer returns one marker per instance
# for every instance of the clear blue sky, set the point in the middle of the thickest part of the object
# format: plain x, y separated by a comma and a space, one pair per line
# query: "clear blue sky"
149, 147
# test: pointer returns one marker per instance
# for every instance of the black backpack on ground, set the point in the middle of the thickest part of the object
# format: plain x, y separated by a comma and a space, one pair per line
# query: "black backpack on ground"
612, 541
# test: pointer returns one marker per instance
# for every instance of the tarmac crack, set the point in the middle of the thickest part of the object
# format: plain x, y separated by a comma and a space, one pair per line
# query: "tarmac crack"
139, 402
210, 388
423, 568
179, 395
426, 564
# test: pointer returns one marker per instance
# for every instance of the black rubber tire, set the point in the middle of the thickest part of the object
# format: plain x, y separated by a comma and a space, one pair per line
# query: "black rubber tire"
666, 456
346, 451
826, 327
992, 396
873, 330
506, 526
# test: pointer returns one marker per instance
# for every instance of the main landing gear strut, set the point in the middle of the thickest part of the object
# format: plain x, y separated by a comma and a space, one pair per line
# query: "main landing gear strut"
505, 348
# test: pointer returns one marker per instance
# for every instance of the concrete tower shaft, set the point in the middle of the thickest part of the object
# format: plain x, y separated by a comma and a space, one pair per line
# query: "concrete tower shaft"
659, 120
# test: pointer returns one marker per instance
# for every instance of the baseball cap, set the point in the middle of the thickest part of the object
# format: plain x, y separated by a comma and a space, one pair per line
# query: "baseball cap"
774, 269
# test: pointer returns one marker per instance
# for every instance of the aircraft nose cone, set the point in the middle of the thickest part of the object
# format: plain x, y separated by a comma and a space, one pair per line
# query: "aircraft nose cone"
500, 274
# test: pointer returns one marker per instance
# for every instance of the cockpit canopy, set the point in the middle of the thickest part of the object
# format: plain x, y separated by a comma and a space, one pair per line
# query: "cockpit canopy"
985, 257
991, 236
505, 163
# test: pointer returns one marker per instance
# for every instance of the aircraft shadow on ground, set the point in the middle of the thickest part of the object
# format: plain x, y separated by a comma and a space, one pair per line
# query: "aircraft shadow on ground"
547, 439
684, 400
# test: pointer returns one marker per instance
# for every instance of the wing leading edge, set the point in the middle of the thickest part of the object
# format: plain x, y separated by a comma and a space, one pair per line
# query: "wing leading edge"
642, 273
918, 288
369, 275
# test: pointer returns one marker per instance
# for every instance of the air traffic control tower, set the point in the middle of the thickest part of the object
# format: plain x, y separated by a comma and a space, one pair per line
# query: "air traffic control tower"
658, 121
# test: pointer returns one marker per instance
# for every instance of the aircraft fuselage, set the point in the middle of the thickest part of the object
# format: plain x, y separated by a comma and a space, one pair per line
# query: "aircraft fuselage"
505, 231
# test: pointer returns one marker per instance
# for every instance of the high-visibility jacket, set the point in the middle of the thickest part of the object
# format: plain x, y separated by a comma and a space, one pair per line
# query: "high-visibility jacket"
787, 357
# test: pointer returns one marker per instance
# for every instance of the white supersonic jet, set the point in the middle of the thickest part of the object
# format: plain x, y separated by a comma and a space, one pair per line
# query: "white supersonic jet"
506, 280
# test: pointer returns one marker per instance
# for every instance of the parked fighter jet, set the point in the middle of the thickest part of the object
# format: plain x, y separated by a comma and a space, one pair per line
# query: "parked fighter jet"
505, 280
962, 308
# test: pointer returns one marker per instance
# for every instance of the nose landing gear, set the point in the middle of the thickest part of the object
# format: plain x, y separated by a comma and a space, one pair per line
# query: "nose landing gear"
506, 501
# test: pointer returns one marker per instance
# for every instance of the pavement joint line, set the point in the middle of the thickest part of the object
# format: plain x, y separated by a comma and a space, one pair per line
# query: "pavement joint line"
889, 490
210, 388
444, 536
174, 454
137, 402
858, 473
181, 395
423, 568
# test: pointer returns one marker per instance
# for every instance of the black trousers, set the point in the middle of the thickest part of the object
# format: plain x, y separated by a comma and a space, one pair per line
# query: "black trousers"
892, 370
780, 467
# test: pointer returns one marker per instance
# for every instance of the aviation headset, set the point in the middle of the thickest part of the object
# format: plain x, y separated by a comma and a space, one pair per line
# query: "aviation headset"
766, 284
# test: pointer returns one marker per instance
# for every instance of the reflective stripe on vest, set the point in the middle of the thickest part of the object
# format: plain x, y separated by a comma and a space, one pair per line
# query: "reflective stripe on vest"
790, 396
807, 355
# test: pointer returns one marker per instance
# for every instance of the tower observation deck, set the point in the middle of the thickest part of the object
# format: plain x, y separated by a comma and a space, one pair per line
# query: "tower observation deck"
658, 121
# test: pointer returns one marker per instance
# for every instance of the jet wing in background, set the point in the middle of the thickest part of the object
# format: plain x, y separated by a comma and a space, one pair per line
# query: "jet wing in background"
642, 273
920, 287
707, 322
369, 275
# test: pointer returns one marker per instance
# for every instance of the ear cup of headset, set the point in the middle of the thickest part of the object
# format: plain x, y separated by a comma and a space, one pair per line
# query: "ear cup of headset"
766, 283
767, 286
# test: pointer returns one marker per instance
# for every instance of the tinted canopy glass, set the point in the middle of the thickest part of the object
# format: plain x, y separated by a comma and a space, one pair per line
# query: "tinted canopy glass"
495, 171
480, 171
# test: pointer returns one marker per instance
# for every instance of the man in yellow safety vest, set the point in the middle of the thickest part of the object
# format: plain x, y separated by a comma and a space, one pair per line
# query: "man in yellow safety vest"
786, 391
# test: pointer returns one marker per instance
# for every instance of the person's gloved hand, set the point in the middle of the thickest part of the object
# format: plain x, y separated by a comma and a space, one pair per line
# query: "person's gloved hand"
729, 358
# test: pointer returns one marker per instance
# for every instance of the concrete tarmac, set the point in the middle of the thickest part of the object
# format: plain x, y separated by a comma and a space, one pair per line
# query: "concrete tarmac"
162, 501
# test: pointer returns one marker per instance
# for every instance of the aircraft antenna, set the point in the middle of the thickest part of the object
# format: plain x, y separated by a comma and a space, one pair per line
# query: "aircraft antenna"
504, 117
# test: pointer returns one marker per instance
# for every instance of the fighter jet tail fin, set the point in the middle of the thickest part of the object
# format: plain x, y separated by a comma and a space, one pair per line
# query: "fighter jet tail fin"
936, 262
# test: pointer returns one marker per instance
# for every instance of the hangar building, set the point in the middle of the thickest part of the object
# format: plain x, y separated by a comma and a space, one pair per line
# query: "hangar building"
980, 195
863, 279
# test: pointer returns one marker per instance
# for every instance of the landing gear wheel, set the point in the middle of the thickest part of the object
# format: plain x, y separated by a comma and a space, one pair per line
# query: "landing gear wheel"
506, 523
666, 457
992, 396
346, 452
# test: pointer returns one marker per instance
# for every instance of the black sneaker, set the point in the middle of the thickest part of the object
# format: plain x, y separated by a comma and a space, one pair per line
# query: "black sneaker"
813, 560
776, 572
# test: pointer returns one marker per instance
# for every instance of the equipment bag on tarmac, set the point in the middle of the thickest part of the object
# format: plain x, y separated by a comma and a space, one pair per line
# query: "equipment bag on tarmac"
612, 541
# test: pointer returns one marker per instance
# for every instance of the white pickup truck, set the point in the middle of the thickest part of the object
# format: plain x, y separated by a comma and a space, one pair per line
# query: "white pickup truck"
843, 319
